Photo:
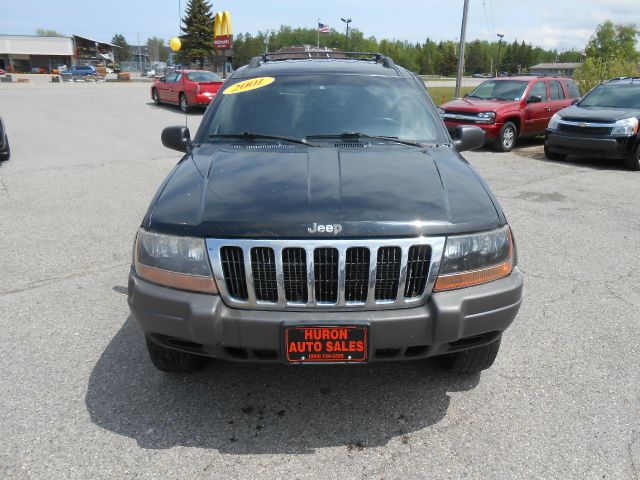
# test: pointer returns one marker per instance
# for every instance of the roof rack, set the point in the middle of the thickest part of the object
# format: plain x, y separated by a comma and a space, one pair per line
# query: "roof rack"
386, 62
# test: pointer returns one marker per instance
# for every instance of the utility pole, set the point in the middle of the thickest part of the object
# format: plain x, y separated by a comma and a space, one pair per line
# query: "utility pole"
500, 35
139, 56
463, 33
346, 37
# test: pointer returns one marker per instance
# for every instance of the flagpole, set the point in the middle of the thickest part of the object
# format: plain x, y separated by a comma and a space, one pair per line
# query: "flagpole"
318, 31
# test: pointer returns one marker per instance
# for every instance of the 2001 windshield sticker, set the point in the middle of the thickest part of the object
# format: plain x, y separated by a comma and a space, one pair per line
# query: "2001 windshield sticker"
248, 85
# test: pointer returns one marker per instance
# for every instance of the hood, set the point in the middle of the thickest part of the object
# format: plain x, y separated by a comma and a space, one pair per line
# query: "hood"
386, 191
597, 114
476, 105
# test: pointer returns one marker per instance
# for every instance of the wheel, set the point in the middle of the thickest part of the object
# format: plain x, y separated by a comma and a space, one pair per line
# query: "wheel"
173, 361
473, 360
633, 160
7, 151
507, 137
553, 155
184, 103
155, 96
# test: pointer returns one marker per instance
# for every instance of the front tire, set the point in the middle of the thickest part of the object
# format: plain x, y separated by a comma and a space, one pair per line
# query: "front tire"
472, 361
633, 160
155, 96
7, 151
184, 103
173, 361
507, 137
553, 155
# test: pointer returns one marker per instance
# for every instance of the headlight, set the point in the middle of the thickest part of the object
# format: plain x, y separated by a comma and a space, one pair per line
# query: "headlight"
173, 261
486, 117
474, 259
553, 123
626, 127
441, 111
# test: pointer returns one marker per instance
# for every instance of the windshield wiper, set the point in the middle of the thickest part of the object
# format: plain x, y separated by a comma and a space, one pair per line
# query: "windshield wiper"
357, 135
252, 135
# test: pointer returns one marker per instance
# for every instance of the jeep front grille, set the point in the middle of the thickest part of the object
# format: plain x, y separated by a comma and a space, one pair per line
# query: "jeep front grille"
310, 274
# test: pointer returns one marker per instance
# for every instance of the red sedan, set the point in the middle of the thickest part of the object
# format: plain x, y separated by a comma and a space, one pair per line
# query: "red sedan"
186, 88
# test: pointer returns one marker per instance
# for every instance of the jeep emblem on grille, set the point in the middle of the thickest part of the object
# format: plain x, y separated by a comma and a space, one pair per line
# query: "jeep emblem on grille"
335, 228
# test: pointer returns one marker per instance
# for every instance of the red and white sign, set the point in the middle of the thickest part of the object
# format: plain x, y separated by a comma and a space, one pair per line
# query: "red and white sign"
222, 42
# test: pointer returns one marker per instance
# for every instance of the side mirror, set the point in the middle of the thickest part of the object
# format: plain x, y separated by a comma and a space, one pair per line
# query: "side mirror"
176, 138
465, 95
467, 137
574, 101
534, 99
162, 79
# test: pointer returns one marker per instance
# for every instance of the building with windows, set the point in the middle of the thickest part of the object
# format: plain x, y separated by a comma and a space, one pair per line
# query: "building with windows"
566, 69
28, 53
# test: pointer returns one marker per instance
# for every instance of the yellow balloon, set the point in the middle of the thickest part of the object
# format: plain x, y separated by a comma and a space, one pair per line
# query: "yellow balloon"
175, 44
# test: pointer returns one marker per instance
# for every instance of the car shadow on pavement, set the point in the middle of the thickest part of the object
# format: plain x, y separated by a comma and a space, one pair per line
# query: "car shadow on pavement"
245, 408
193, 112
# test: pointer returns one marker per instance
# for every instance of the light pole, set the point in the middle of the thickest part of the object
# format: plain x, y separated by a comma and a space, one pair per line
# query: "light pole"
500, 35
346, 37
463, 34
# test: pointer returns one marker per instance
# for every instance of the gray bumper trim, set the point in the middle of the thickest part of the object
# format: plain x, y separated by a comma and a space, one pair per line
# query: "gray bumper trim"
215, 329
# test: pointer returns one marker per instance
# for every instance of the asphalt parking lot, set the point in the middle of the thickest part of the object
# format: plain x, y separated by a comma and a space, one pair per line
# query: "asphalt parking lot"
80, 399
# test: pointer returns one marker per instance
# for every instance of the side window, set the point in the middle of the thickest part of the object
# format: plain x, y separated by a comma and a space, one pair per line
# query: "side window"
178, 78
555, 90
170, 77
540, 89
572, 89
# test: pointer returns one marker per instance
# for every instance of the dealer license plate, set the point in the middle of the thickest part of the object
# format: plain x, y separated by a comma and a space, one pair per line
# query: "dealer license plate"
326, 344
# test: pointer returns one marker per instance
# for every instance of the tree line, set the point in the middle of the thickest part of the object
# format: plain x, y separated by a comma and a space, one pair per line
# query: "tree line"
427, 58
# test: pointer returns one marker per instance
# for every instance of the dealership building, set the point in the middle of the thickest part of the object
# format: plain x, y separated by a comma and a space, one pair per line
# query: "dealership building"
27, 53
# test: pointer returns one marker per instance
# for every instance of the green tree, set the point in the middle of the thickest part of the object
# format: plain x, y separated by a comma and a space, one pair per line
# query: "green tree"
43, 32
157, 50
197, 37
122, 52
613, 41
610, 53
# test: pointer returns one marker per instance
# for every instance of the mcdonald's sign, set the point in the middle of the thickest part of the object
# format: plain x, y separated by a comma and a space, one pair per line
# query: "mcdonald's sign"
222, 31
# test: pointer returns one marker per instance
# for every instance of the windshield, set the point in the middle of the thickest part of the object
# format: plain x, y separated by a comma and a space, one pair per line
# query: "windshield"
203, 77
614, 95
500, 90
308, 105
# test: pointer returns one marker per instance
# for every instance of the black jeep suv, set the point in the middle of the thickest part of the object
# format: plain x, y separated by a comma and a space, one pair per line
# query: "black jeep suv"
322, 214
603, 124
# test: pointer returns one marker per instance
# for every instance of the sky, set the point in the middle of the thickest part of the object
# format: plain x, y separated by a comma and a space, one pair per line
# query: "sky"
554, 24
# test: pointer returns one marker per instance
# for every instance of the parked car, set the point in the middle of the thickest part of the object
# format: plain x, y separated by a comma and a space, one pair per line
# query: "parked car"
603, 124
186, 88
5, 150
511, 108
81, 70
323, 214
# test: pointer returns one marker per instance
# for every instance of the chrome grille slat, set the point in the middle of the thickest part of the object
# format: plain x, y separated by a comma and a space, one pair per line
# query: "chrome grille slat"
234, 275
294, 266
325, 261
417, 271
388, 273
330, 273
263, 269
356, 285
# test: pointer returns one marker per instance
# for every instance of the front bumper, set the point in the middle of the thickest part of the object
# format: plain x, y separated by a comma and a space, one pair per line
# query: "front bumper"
590, 146
491, 130
447, 322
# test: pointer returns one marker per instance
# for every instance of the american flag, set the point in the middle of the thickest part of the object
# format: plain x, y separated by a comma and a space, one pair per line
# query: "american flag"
324, 28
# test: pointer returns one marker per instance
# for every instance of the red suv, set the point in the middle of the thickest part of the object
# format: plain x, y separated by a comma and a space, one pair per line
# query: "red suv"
510, 108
